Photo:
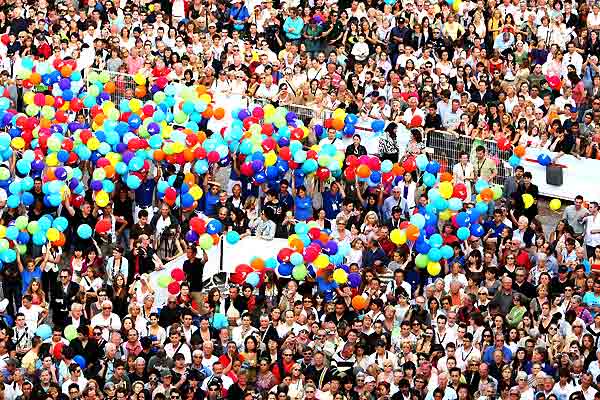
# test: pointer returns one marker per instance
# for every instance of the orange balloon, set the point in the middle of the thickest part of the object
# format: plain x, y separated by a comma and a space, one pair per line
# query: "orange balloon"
208, 113
363, 171
258, 264
201, 137
445, 177
337, 124
323, 237
297, 245
158, 155
188, 154
45, 123
359, 302
519, 151
66, 70
140, 91
398, 169
412, 232
50, 174
487, 194
61, 240
109, 170
109, 87
189, 179
49, 100
219, 113
35, 78
99, 119
215, 239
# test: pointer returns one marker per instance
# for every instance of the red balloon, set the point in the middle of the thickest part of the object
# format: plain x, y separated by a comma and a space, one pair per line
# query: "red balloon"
284, 255
350, 174
77, 200
351, 161
322, 173
246, 169
409, 164
267, 129
103, 225
416, 121
314, 233
504, 144
198, 225
460, 191
258, 112
269, 144
374, 163
310, 254
178, 274
57, 350
173, 287
285, 153
5, 39
213, 156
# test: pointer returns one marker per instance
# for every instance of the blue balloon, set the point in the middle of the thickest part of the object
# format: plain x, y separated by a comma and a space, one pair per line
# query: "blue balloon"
429, 179
354, 279
436, 240
214, 226
462, 219
271, 263
433, 167
422, 246
514, 161
219, 321
454, 204
421, 161
253, 279
544, 159
477, 230
296, 259
84, 231
377, 125
133, 182
285, 269
480, 185
43, 331
60, 223
418, 220
447, 252
463, 233
434, 254
232, 237
12, 232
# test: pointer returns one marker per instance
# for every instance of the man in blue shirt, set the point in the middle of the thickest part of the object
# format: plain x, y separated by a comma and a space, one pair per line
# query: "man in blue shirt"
488, 354
495, 225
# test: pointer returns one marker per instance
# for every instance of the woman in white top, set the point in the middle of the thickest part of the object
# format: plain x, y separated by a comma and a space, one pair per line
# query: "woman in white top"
140, 289
154, 329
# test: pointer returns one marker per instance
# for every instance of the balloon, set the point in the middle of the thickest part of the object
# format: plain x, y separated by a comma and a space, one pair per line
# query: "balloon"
527, 200
253, 279
398, 237
421, 161
519, 151
359, 302
463, 233
70, 332
434, 268
44, 331
219, 321
299, 272
555, 204
421, 260
514, 161
340, 276
80, 360
164, 280
173, 287
177, 274
354, 279
418, 220
446, 189
232, 237
84, 231
429, 179
412, 232
544, 159
436, 240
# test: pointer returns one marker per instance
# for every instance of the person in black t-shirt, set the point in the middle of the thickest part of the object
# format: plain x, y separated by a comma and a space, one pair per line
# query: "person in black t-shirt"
274, 209
194, 269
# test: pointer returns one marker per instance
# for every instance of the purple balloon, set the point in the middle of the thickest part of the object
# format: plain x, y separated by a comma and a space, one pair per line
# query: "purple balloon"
354, 279
96, 185
104, 97
73, 183
64, 84
429, 230
291, 116
121, 147
37, 165
127, 156
191, 236
153, 128
331, 247
283, 141
243, 114
257, 165
56, 129
73, 126
60, 173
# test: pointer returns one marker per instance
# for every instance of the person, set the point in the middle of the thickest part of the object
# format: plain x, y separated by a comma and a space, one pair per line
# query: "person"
592, 228
463, 173
574, 214
485, 168
194, 271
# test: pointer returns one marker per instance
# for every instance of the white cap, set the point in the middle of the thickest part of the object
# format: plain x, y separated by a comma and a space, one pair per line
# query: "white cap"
3, 303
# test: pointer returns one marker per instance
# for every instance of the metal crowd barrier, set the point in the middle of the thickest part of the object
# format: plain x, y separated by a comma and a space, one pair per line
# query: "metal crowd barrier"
448, 146
124, 84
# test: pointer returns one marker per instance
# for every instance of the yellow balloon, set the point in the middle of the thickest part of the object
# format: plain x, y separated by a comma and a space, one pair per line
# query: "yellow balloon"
2, 231
52, 160
139, 79
28, 97
206, 98
434, 268
446, 189
18, 143
555, 204
321, 261
445, 215
398, 237
340, 276
339, 113
527, 200
93, 143
135, 105
53, 234
270, 158
102, 198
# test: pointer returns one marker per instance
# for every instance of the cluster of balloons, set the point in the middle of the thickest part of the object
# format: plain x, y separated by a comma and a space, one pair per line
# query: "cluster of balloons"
340, 121
455, 4
515, 159
44, 331
372, 170
172, 281
186, 197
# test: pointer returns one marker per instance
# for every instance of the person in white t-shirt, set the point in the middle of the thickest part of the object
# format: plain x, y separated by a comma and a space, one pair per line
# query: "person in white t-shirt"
33, 313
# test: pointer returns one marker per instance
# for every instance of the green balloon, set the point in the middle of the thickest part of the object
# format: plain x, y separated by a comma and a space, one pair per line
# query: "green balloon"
93, 91
206, 241
4, 173
70, 332
104, 77
299, 272
422, 260
164, 280
21, 222
33, 227
92, 76
497, 190
159, 97
32, 110
180, 117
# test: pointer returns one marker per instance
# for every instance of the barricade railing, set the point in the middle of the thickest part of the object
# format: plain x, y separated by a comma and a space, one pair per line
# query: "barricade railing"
447, 147
124, 84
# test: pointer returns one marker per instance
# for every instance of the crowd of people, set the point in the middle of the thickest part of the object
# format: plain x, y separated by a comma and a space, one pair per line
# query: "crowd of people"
514, 313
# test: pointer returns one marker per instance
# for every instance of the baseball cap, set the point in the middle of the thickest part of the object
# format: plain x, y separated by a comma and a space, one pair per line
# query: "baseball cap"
369, 379
165, 372
563, 269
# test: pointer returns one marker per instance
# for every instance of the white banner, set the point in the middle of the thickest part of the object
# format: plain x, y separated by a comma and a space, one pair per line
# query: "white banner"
580, 176
233, 255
